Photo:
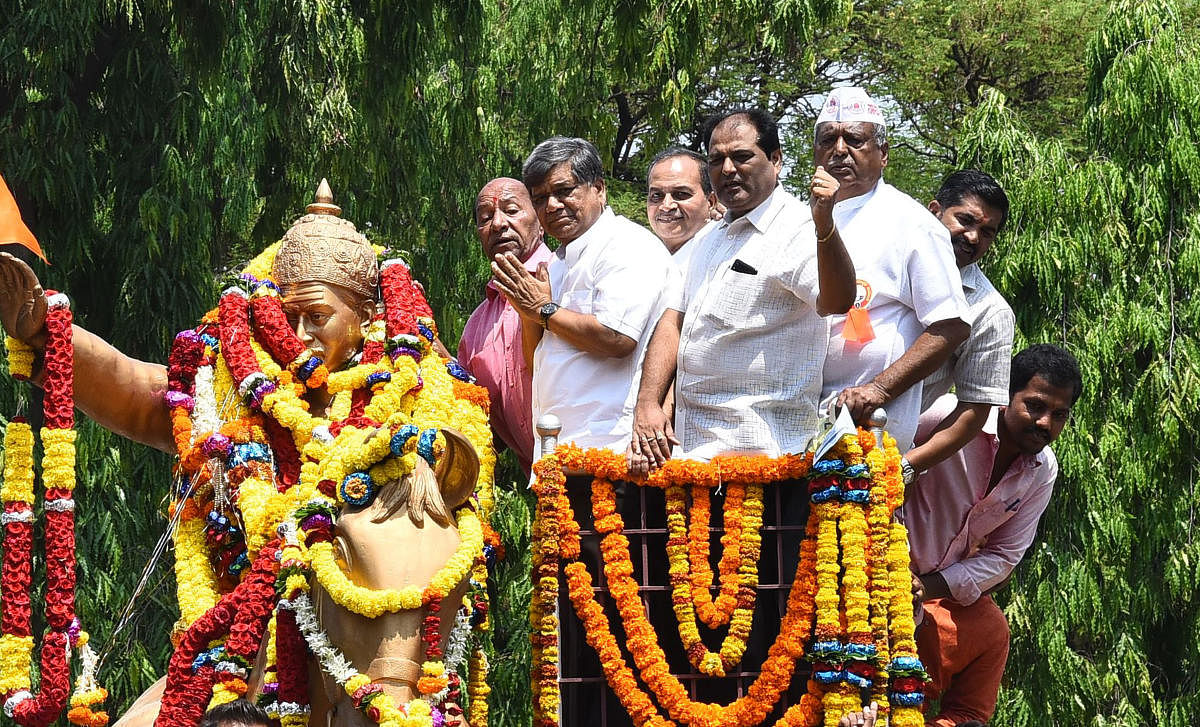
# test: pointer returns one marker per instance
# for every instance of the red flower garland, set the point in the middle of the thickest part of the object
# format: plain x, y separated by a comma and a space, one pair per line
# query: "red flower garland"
291, 659
188, 691
234, 312
279, 338
59, 409
400, 305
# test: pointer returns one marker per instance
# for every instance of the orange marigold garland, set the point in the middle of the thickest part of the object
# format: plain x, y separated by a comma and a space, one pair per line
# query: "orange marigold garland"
734, 643
847, 595
715, 612
879, 517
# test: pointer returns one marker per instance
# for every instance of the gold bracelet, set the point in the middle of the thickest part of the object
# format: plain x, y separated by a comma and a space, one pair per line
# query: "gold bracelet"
828, 236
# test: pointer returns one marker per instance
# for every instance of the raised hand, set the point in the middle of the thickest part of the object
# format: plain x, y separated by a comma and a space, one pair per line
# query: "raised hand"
525, 292
22, 302
824, 188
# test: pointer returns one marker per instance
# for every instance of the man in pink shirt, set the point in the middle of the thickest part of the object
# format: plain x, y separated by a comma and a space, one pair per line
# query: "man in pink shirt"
490, 348
970, 520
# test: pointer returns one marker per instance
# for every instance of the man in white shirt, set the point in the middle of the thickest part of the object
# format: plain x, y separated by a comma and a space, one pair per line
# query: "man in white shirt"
587, 317
586, 320
909, 312
745, 338
680, 202
973, 207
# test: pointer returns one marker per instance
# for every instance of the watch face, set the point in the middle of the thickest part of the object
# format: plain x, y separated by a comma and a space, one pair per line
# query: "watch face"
549, 308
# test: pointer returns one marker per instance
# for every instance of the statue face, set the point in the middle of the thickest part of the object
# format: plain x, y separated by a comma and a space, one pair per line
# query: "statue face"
325, 322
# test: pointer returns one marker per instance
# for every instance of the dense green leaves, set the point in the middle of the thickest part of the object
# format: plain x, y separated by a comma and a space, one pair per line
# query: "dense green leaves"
152, 145
1100, 254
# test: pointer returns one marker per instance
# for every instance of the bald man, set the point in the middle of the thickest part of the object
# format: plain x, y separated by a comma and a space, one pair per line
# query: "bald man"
490, 348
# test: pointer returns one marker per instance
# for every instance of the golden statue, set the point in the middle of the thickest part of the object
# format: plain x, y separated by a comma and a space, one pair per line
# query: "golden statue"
327, 448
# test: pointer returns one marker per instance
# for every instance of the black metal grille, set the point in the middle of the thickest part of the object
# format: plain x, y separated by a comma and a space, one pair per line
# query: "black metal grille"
587, 700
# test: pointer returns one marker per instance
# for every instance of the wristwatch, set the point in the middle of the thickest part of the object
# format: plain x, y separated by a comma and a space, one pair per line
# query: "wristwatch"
907, 473
548, 310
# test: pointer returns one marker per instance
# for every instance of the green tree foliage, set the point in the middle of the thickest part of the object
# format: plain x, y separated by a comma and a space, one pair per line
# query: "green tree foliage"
152, 145
1102, 253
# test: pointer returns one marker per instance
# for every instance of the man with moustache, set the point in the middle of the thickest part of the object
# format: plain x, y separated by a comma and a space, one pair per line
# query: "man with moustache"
970, 520
586, 319
491, 347
745, 338
679, 201
909, 312
587, 316
973, 207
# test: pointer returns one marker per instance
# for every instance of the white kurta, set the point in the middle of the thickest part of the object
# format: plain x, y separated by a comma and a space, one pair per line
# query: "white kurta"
907, 280
619, 272
752, 344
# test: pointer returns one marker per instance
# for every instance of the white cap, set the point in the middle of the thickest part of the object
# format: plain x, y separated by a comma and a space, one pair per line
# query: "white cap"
850, 104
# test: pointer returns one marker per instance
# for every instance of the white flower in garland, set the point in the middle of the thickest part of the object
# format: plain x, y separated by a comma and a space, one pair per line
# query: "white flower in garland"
456, 649
332, 661
204, 414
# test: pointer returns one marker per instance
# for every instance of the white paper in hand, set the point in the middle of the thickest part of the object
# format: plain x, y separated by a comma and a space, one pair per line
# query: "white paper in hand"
831, 432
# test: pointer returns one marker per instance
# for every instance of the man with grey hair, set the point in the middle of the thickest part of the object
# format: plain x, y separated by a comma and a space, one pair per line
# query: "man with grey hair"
587, 316
586, 319
909, 312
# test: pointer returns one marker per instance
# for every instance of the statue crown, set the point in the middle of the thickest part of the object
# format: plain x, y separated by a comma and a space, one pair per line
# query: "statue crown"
322, 247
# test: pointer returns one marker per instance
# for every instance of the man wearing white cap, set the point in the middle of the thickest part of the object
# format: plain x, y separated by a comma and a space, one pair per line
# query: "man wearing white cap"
908, 316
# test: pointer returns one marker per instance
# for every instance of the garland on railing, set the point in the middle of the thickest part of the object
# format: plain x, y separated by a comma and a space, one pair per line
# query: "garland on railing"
849, 607
58, 477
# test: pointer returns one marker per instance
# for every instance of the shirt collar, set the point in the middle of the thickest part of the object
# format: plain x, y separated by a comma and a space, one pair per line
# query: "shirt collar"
971, 276
848, 206
572, 251
764, 214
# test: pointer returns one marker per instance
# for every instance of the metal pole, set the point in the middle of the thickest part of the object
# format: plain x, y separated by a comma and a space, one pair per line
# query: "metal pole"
877, 423
548, 428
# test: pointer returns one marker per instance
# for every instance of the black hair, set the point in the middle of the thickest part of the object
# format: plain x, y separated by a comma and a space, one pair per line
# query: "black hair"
764, 124
679, 151
1053, 363
239, 711
973, 183
581, 153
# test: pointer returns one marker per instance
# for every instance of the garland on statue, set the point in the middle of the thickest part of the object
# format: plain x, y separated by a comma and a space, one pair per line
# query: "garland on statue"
849, 608
257, 461
58, 477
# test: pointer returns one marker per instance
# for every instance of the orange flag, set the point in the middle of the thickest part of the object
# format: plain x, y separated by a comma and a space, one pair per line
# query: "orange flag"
12, 228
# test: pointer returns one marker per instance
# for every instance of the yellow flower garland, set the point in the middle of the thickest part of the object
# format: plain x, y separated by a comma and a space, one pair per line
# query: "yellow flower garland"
374, 603
20, 358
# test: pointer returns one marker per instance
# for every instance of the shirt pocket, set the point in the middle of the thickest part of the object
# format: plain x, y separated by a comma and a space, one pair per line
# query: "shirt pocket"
579, 301
736, 301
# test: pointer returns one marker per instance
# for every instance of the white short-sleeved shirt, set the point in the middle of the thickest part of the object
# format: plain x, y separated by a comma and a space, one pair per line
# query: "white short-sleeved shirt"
907, 280
980, 366
748, 375
619, 272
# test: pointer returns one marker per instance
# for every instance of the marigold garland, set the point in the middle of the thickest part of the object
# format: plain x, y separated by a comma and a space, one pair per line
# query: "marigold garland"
715, 612
734, 643
847, 609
